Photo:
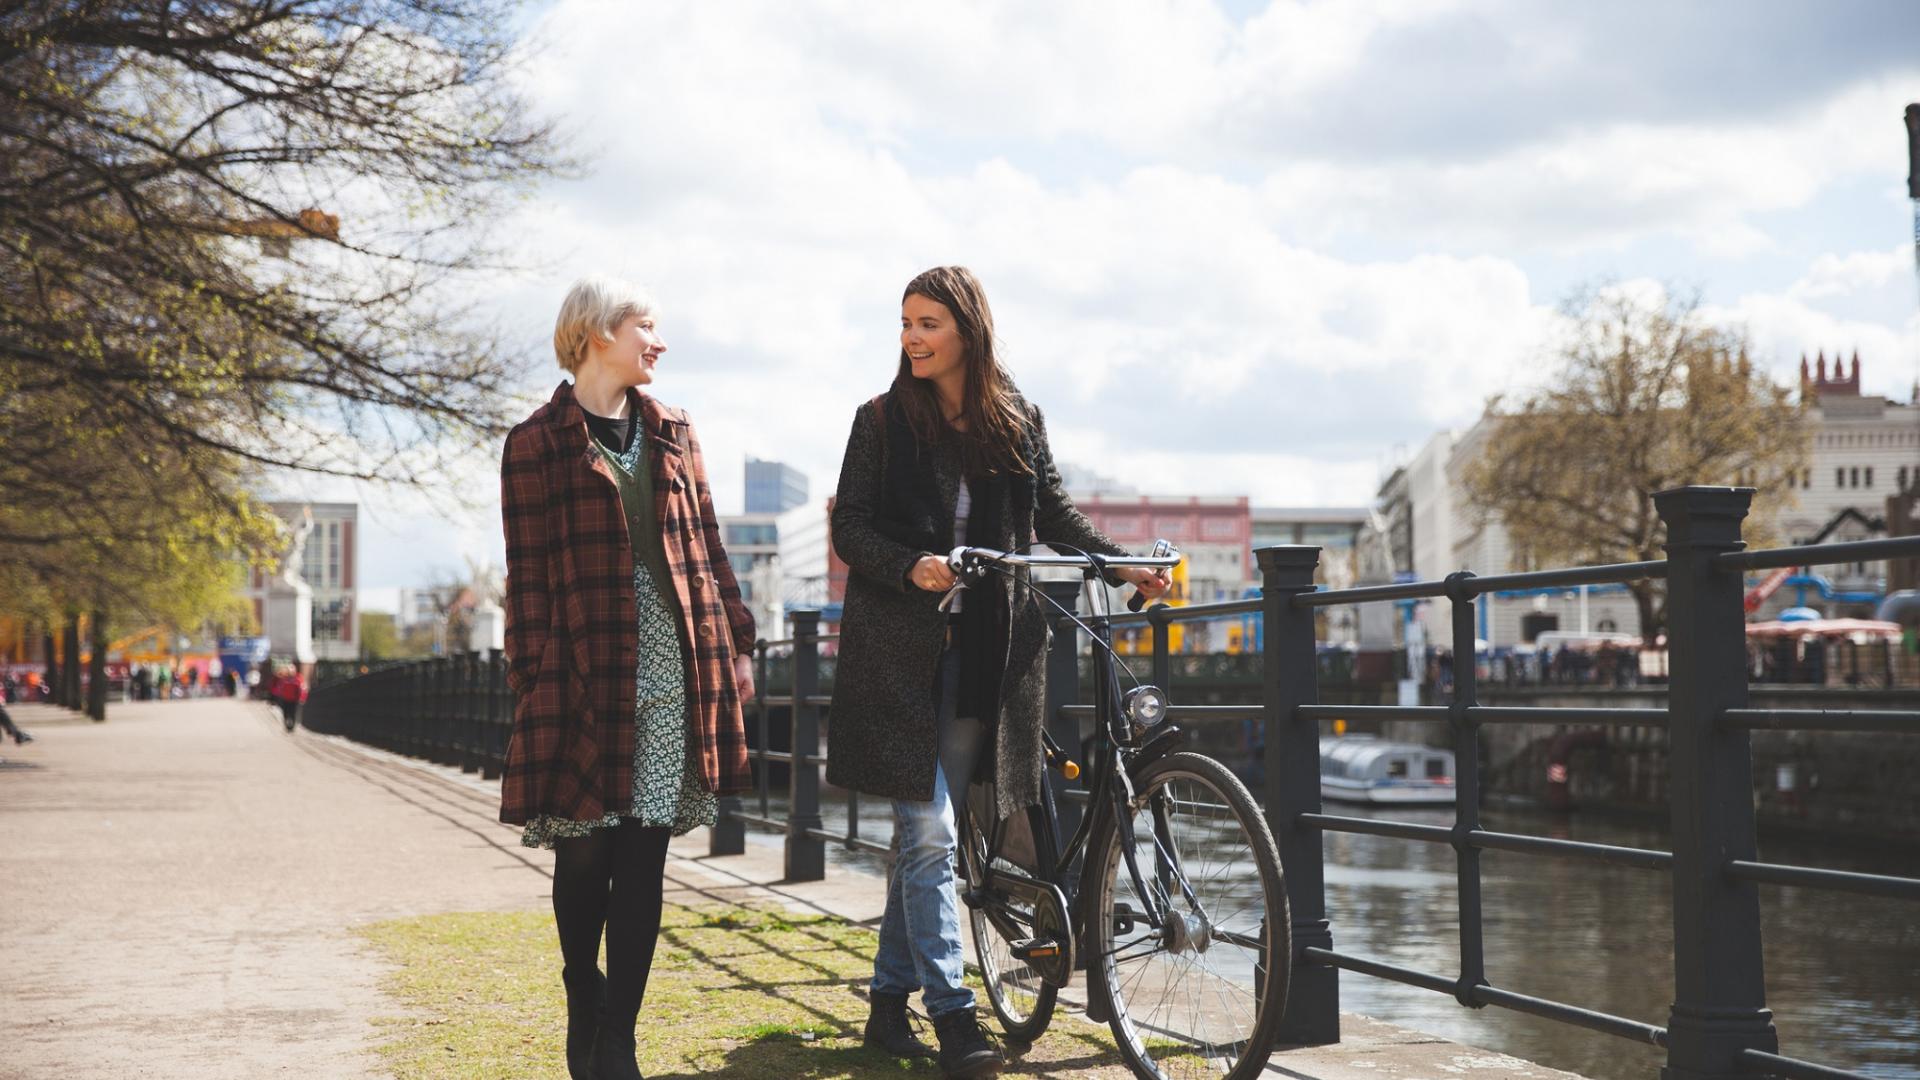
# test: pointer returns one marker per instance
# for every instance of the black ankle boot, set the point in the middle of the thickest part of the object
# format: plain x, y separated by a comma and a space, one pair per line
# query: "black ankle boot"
613, 1055
586, 1004
889, 1029
964, 1050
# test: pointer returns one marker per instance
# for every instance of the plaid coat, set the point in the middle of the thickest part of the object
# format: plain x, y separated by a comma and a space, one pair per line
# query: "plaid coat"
571, 624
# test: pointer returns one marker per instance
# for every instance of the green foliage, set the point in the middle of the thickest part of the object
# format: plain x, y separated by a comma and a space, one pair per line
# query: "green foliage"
179, 318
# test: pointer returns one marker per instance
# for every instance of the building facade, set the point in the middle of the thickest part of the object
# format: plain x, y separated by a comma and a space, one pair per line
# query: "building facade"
1866, 448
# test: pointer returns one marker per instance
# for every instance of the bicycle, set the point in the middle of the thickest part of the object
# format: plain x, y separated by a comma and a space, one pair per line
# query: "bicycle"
1168, 838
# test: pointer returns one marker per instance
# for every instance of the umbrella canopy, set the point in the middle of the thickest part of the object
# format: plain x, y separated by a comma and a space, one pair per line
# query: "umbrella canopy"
1858, 629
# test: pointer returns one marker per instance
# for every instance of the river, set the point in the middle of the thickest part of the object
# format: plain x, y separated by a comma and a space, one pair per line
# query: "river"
1843, 972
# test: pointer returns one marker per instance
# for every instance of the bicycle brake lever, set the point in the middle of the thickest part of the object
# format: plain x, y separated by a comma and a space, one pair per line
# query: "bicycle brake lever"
953, 593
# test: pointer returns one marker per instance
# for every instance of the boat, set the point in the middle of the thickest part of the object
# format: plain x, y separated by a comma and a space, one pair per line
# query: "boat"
1366, 769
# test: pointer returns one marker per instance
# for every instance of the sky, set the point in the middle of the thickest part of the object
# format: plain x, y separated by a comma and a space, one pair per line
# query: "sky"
1231, 247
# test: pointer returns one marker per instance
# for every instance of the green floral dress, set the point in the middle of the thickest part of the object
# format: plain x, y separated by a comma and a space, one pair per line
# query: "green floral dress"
665, 791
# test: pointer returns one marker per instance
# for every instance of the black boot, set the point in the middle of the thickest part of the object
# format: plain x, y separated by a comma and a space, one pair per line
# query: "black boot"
964, 1050
888, 1028
613, 1055
586, 1004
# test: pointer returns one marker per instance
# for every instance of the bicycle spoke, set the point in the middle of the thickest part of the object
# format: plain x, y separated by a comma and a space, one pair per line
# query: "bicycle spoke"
1185, 1001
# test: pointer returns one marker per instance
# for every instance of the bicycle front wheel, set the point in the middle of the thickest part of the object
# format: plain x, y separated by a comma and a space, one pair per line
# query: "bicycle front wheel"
1202, 995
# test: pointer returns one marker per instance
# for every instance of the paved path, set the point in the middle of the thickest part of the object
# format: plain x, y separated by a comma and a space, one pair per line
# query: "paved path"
178, 888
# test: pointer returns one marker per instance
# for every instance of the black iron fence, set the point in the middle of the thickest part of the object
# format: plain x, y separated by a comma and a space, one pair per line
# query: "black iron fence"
454, 710
457, 711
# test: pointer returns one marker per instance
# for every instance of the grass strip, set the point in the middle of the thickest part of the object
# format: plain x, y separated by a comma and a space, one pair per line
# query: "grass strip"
735, 993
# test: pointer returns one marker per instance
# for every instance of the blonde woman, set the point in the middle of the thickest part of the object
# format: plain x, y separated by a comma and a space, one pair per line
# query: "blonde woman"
628, 652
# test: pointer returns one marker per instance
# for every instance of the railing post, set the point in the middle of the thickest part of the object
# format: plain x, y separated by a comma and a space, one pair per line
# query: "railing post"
729, 834
806, 856
1160, 622
1466, 788
1063, 689
1293, 786
499, 717
1719, 994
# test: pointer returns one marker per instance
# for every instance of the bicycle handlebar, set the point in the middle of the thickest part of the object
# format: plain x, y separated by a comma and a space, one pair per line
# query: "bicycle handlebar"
957, 558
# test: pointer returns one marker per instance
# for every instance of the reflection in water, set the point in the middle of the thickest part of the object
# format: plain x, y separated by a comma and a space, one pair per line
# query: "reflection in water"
1843, 972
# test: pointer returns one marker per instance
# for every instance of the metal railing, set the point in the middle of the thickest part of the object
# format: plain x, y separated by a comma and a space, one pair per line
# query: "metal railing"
807, 837
456, 711
1718, 1024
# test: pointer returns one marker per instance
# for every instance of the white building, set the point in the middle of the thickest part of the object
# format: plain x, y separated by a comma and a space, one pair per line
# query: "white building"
1865, 449
753, 548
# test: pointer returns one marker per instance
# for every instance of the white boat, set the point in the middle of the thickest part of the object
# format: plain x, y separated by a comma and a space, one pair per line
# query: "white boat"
1365, 769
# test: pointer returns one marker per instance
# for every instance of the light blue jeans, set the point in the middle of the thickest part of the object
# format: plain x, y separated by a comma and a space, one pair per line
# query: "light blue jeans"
920, 946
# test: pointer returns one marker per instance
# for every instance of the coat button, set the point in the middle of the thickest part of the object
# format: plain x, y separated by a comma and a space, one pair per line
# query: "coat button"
699, 581
706, 629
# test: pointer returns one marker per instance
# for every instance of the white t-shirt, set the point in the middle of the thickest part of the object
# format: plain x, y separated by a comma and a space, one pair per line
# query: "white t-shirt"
962, 508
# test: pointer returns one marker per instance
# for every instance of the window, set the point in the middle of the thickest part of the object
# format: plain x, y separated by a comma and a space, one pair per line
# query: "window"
1436, 768
1900, 478
1124, 526
1173, 528
744, 533
329, 621
1397, 768
1855, 478
1839, 478
1220, 529
1869, 476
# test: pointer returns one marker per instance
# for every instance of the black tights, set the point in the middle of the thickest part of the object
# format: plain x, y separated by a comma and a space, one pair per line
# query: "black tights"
611, 877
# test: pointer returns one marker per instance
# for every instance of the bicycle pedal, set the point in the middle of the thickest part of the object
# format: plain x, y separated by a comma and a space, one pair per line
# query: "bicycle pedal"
1032, 948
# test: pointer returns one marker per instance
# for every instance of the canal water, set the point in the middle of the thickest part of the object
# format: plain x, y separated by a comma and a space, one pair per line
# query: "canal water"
1843, 972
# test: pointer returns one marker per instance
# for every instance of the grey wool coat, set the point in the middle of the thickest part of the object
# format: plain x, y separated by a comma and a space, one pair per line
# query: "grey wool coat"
881, 737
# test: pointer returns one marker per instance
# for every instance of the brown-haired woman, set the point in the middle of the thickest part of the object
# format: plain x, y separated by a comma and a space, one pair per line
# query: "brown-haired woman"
628, 651
950, 455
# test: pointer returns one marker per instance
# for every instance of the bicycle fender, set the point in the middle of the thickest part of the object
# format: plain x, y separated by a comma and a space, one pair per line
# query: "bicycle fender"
1165, 739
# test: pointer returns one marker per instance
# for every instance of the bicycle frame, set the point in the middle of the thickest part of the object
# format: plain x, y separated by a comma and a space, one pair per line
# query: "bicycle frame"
1116, 760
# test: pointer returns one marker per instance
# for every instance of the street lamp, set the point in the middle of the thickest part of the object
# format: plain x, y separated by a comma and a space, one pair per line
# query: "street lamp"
1913, 176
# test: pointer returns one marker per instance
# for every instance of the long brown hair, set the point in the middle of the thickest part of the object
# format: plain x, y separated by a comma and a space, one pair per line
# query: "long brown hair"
995, 423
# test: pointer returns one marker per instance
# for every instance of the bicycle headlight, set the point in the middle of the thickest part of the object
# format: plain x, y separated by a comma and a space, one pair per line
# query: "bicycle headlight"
1145, 706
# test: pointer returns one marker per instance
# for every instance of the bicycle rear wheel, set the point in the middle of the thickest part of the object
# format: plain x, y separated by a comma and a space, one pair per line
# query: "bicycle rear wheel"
1203, 995
1021, 1000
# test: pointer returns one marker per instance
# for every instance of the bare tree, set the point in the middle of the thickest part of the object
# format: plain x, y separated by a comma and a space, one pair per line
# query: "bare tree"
1647, 396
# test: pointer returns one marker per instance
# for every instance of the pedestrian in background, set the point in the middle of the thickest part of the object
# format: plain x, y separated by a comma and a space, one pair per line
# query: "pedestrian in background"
629, 651
950, 455
289, 691
7, 726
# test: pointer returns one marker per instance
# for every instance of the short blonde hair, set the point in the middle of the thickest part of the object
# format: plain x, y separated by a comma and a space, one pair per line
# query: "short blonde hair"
594, 308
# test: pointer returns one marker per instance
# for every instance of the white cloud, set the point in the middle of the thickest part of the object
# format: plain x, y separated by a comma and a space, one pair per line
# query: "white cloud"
1168, 211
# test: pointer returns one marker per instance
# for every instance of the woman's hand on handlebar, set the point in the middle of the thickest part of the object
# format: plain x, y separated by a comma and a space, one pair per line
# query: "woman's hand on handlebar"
932, 573
1153, 584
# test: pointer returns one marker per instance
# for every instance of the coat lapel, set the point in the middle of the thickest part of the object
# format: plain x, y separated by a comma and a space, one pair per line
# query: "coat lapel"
666, 460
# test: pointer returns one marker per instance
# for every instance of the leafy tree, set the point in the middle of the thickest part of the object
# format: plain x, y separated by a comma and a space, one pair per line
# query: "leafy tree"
1646, 396
239, 236
378, 638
